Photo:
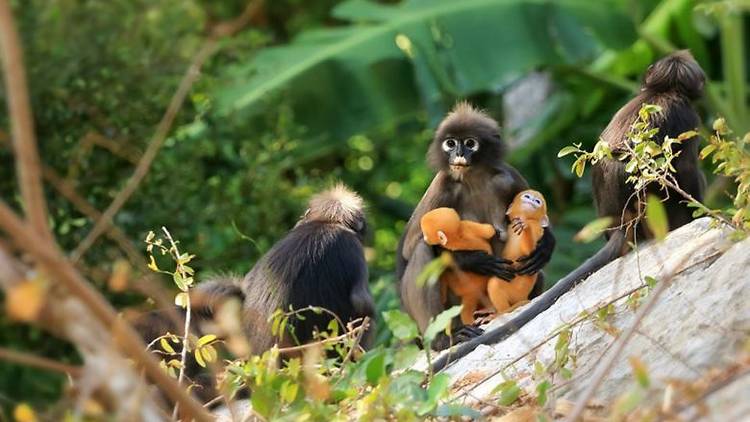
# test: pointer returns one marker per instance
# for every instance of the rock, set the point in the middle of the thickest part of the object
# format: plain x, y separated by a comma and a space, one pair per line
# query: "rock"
699, 324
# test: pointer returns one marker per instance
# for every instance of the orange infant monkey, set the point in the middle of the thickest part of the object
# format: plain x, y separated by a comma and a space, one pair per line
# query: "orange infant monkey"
527, 215
444, 227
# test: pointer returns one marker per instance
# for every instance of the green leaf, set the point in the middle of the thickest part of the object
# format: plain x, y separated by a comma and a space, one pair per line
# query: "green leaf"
567, 151
181, 299
208, 338
437, 389
509, 392
541, 392
375, 368
440, 323
401, 325
199, 358
592, 230
431, 272
656, 217
452, 49
406, 356
166, 346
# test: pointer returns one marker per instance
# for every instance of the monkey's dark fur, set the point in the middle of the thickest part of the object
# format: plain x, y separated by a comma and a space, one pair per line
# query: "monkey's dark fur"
320, 262
671, 83
472, 178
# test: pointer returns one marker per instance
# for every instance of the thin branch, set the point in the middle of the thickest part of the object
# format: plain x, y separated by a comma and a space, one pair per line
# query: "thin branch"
54, 262
165, 125
22, 123
34, 361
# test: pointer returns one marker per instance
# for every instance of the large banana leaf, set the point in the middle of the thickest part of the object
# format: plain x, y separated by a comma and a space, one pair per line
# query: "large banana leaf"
394, 61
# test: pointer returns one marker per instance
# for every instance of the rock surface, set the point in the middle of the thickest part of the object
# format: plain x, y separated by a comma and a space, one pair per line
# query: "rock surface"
701, 322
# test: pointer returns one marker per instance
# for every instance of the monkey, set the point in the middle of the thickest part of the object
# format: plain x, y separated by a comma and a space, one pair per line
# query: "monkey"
320, 262
472, 178
528, 218
443, 226
673, 82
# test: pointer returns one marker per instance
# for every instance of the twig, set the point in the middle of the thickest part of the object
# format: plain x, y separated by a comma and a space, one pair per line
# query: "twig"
362, 328
186, 329
34, 361
165, 125
22, 123
323, 342
54, 262
608, 361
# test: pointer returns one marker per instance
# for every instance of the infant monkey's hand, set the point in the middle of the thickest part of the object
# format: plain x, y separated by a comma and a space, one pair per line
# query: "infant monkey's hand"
517, 225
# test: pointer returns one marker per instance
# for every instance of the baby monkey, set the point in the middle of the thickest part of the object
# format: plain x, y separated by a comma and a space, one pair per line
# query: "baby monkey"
444, 227
527, 216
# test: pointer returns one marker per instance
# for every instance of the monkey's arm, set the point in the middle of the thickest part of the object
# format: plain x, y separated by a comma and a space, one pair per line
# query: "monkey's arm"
611, 250
540, 257
482, 263
485, 231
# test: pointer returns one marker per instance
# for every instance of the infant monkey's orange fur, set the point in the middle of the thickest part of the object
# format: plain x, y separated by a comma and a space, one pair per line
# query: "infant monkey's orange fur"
527, 217
443, 226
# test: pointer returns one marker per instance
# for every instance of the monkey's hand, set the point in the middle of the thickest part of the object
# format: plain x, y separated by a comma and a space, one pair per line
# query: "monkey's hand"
517, 226
482, 263
533, 263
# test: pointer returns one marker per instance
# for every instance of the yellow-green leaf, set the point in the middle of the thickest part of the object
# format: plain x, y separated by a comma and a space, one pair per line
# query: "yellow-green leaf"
199, 358
152, 265
208, 338
593, 229
656, 217
166, 346
181, 299
566, 151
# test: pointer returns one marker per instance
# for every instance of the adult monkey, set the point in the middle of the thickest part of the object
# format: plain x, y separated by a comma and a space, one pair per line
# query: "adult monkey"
672, 83
472, 178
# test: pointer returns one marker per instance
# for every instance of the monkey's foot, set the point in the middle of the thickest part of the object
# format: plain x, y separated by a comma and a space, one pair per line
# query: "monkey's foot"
467, 332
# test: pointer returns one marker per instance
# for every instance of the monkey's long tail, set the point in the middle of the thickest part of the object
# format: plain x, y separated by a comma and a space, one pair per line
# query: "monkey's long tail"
611, 251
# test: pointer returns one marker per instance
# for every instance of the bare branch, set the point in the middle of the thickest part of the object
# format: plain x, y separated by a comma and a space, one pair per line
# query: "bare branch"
22, 123
165, 125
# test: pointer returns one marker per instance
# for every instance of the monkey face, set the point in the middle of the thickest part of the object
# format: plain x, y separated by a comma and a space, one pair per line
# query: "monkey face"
459, 151
531, 204
466, 139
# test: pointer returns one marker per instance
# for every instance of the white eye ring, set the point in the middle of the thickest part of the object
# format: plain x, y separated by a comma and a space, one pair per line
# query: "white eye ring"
471, 144
449, 144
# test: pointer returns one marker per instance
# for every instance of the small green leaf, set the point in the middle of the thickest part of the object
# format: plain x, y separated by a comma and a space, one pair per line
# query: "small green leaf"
199, 358
640, 371
166, 346
152, 264
541, 392
181, 299
208, 338
593, 229
656, 217
401, 325
437, 389
687, 135
509, 392
708, 150
442, 322
375, 368
567, 151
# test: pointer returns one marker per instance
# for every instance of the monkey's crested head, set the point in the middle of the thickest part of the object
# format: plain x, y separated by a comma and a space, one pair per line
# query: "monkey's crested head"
338, 205
678, 72
440, 225
466, 138
529, 204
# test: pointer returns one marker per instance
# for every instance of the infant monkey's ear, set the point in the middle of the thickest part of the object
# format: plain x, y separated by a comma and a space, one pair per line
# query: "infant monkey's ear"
442, 237
544, 222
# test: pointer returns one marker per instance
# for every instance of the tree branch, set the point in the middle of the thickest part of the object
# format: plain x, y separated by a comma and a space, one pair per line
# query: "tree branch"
34, 361
22, 123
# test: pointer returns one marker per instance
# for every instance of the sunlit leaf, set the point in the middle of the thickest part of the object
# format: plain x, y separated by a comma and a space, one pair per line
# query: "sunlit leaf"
640, 371
440, 323
166, 346
208, 338
656, 217
593, 230
566, 151
181, 299
401, 325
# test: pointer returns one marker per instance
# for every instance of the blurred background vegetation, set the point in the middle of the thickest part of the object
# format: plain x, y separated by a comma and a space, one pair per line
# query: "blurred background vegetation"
318, 91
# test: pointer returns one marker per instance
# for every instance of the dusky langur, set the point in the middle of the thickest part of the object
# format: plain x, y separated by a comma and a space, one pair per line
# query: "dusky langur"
319, 263
472, 178
672, 83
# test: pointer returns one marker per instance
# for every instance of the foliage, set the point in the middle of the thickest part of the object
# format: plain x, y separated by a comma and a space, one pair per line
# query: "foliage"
359, 107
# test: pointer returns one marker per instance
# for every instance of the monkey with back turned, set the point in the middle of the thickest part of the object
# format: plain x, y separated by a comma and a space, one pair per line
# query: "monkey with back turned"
672, 83
319, 263
473, 179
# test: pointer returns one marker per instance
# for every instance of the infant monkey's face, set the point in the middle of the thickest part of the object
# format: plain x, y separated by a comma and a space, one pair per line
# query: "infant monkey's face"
531, 201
